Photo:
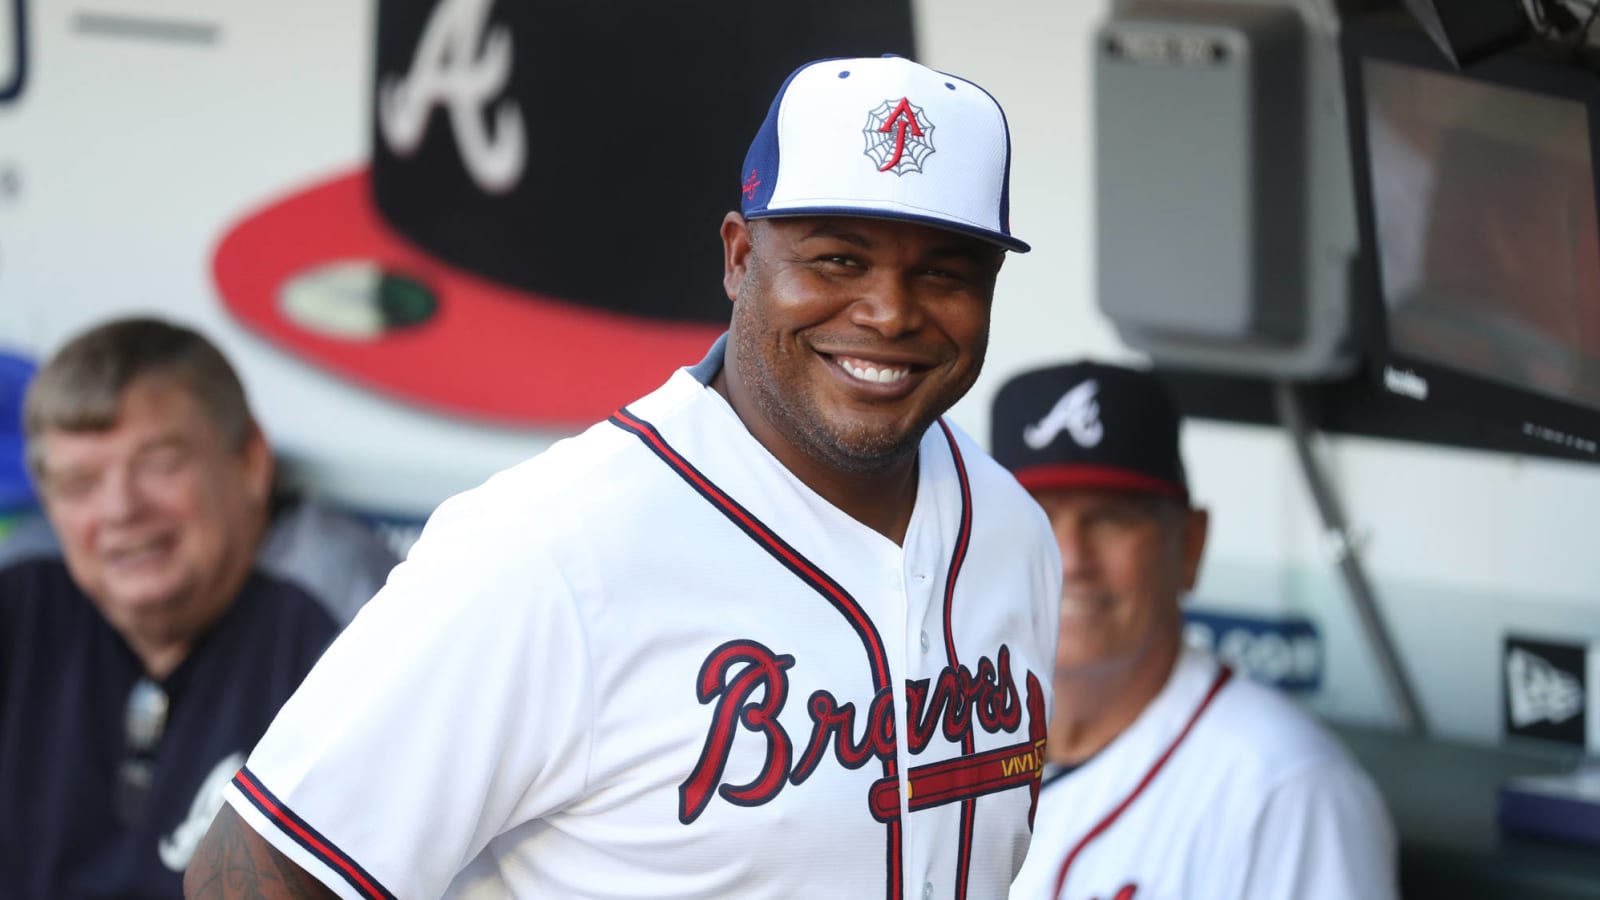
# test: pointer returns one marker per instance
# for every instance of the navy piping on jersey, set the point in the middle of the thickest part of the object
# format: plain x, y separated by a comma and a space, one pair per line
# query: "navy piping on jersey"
808, 572
780, 549
1054, 772
1223, 674
969, 806
309, 838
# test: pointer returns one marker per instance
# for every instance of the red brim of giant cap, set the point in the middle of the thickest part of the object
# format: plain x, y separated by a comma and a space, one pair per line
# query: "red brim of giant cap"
486, 350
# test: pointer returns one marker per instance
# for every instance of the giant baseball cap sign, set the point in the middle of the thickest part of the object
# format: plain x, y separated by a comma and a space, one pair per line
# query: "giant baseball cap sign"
536, 238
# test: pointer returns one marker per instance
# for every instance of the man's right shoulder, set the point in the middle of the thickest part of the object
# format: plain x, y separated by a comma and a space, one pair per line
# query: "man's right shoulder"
34, 574
37, 593
589, 478
602, 464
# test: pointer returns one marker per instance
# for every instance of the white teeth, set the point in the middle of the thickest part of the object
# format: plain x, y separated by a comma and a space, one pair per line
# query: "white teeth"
138, 551
873, 373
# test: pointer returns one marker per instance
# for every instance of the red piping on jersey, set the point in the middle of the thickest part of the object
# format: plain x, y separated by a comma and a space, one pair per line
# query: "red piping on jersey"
307, 837
969, 807
807, 571
1223, 674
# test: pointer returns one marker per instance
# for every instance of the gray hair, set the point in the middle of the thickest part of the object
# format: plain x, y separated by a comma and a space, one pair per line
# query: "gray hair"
81, 387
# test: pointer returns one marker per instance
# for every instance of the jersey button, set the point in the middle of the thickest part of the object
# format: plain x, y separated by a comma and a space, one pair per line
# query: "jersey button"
927, 890
925, 642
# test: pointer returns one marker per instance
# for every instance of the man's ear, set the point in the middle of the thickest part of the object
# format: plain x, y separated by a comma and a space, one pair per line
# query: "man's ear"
259, 465
1197, 523
735, 252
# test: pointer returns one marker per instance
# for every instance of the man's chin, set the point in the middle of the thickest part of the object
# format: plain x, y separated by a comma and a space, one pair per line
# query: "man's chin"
875, 446
1084, 612
143, 604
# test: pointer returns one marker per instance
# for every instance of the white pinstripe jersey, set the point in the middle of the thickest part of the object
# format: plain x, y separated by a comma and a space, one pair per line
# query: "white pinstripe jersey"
650, 662
1221, 790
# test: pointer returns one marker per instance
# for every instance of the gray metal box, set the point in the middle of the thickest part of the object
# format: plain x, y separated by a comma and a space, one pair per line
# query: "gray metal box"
1205, 187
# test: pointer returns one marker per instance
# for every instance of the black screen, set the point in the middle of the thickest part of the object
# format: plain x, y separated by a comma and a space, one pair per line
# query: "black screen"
1487, 246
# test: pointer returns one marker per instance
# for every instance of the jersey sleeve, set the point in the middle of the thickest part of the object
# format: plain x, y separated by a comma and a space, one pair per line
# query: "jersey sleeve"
1323, 835
455, 706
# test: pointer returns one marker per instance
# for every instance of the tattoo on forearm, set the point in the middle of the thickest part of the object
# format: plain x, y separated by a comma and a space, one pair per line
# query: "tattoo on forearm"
238, 866
297, 881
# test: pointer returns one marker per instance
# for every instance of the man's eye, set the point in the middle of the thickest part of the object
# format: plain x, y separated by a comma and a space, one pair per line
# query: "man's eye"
1117, 517
72, 487
164, 461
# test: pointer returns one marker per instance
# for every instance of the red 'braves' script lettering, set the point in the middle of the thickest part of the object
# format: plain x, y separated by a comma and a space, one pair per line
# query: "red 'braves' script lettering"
833, 721
750, 683
752, 666
1126, 893
958, 694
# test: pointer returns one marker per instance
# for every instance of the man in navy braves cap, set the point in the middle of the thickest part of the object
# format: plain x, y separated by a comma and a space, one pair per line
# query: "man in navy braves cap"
775, 629
1166, 776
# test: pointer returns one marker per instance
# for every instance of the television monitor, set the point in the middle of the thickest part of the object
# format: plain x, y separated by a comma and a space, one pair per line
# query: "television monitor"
1475, 193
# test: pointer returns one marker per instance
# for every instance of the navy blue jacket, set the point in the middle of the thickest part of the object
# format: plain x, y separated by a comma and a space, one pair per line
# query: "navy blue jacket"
65, 676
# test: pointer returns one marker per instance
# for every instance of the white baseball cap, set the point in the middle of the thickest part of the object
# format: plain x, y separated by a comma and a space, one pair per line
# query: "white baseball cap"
884, 138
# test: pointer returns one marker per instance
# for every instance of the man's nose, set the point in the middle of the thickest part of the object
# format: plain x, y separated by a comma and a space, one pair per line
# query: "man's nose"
888, 305
120, 498
1077, 554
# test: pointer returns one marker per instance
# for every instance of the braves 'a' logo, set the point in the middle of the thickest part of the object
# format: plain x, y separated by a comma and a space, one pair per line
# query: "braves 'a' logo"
899, 136
1076, 412
749, 684
462, 64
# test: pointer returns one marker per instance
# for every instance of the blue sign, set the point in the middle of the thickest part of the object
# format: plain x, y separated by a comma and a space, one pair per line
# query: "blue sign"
16, 491
1284, 652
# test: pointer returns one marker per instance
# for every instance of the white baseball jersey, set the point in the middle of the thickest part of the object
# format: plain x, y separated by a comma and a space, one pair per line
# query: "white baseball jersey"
650, 662
1222, 789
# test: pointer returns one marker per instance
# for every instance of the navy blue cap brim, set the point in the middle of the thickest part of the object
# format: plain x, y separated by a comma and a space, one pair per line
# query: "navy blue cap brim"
1002, 239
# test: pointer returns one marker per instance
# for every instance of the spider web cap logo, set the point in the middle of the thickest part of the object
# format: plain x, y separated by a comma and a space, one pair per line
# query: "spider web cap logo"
899, 136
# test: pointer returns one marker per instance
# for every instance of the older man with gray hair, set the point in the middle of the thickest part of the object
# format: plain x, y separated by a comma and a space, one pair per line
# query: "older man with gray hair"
146, 644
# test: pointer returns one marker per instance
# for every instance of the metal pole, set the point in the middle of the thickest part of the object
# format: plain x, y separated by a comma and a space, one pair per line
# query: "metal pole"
1291, 411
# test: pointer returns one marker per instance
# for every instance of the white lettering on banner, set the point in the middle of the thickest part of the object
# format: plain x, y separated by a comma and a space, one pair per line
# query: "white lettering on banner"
176, 848
1405, 382
1267, 656
1077, 412
1538, 691
456, 65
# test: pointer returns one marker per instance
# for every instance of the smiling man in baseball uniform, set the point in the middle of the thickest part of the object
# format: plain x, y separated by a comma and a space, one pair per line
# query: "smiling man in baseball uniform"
774, 630
1168, 777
